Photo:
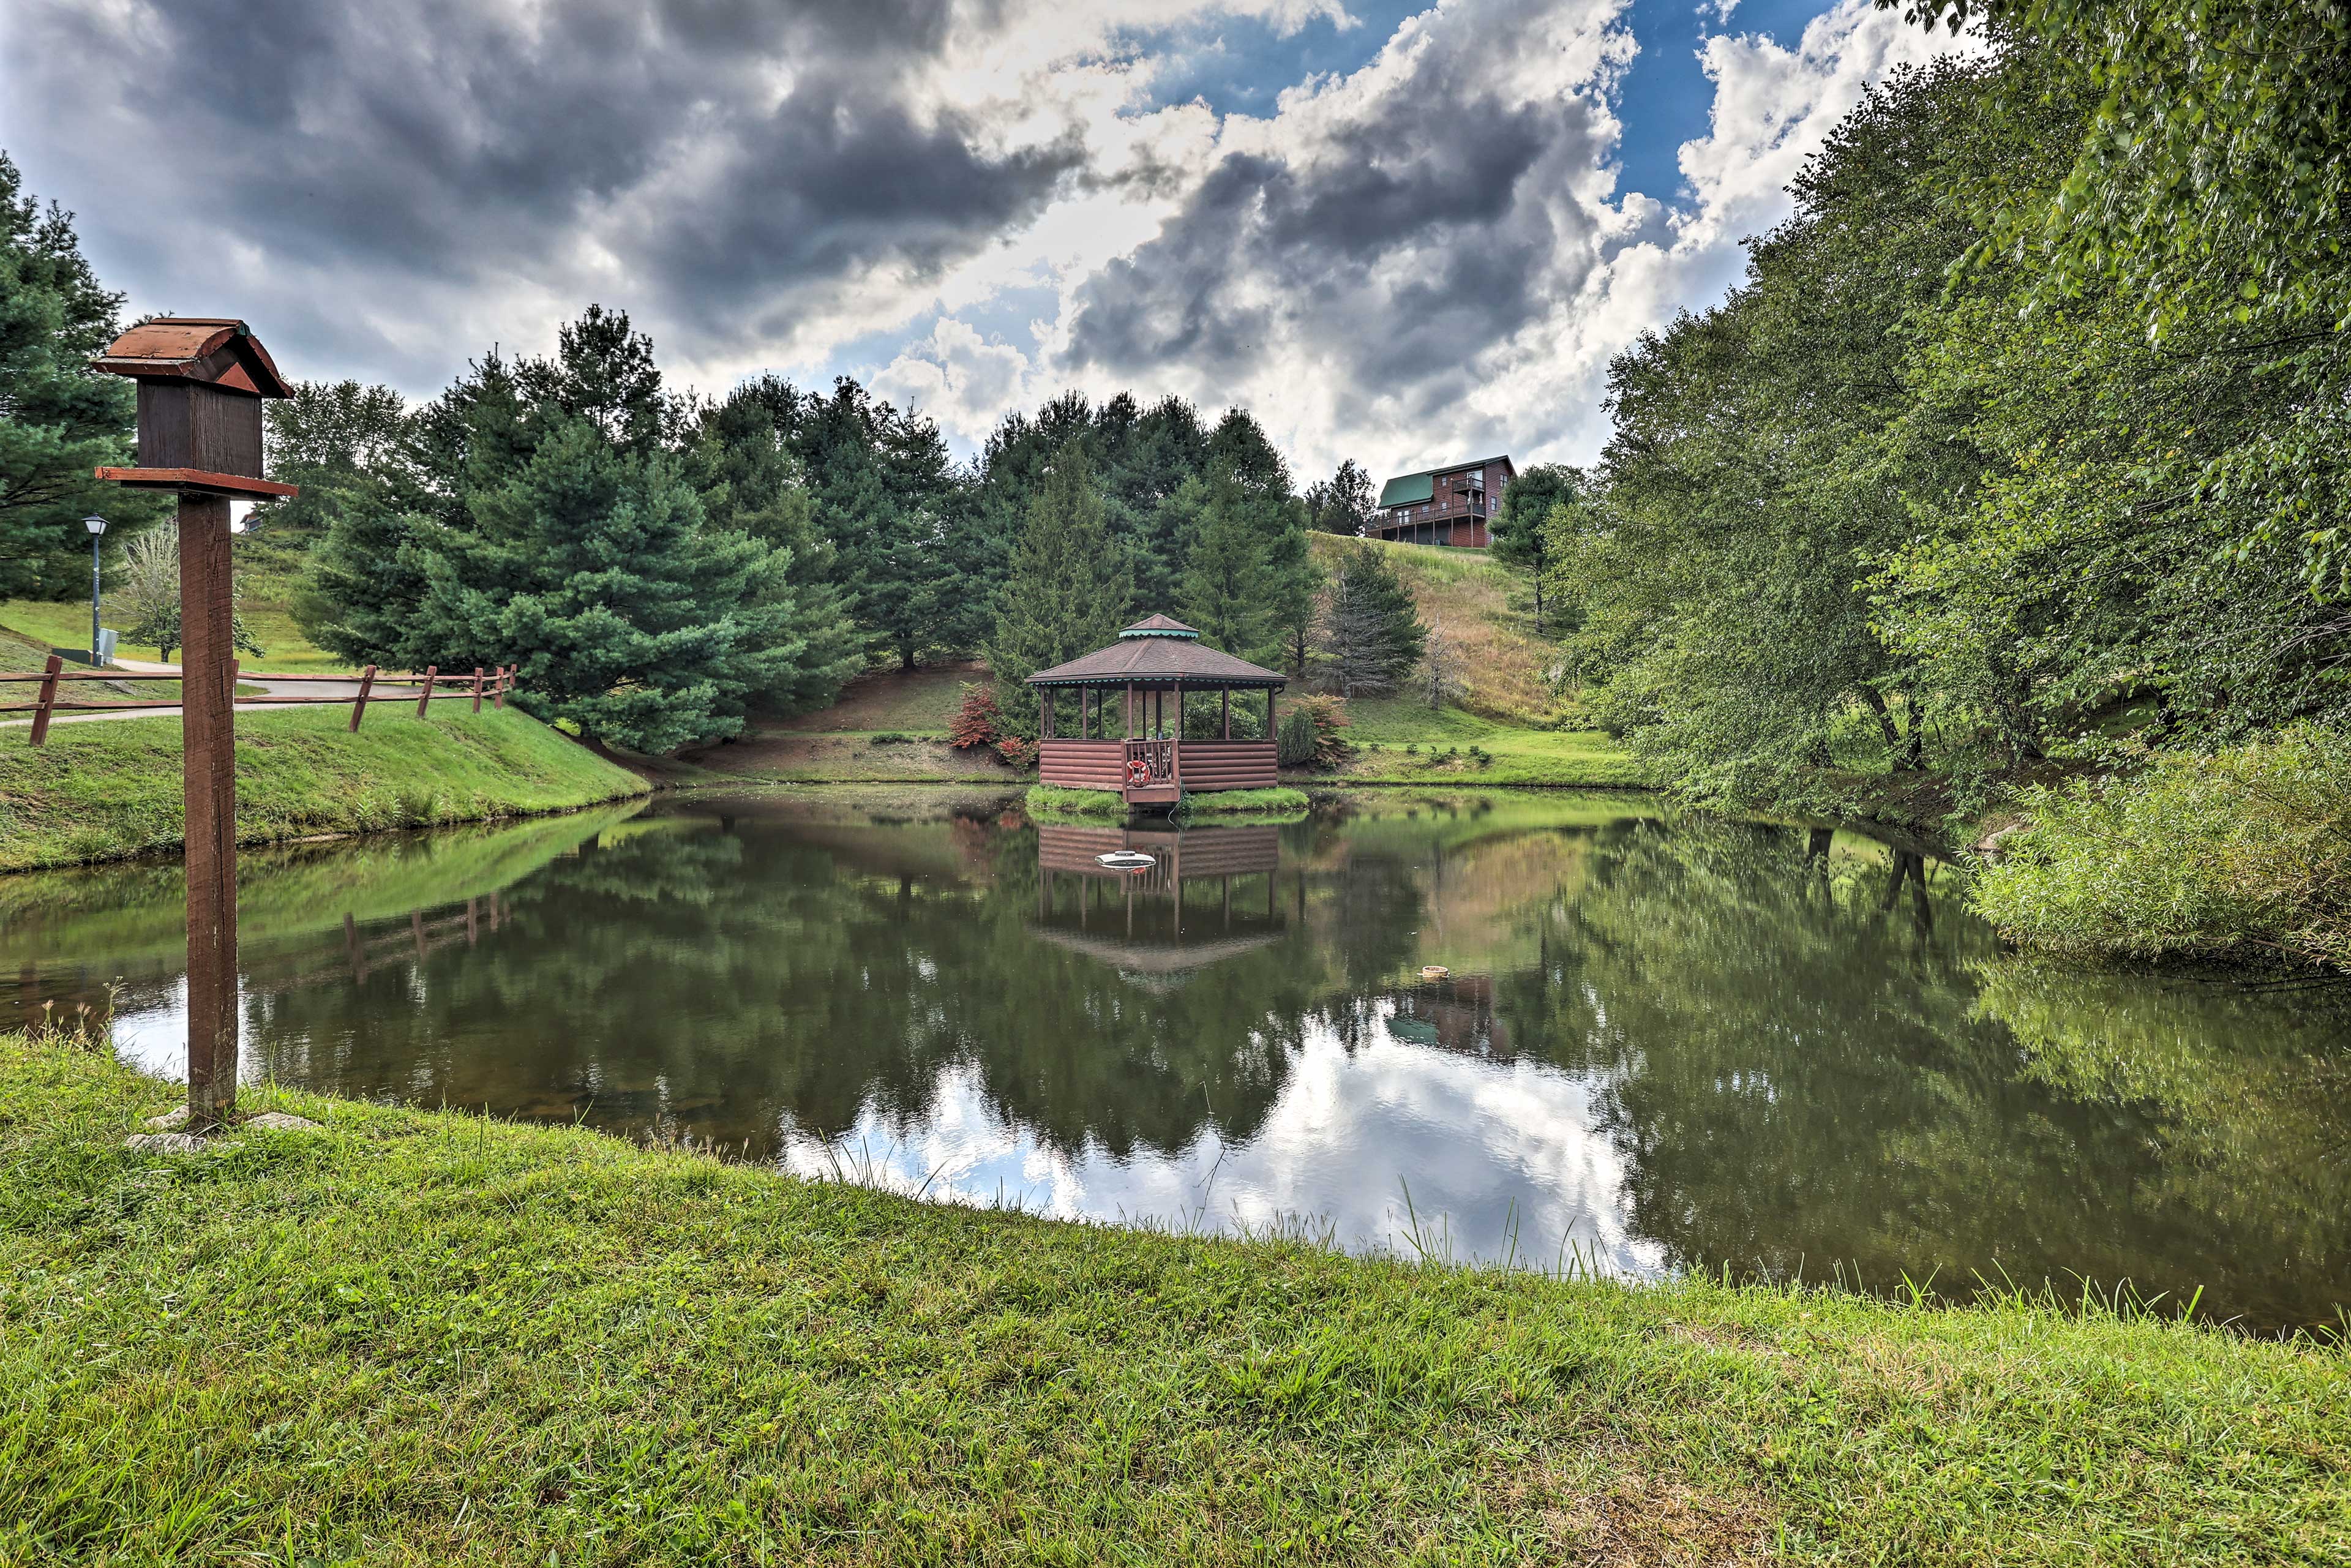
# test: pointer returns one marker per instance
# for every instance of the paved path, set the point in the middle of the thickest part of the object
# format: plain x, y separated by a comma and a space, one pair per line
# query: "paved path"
342, 690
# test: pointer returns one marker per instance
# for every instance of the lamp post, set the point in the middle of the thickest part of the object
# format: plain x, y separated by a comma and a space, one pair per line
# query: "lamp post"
97, 527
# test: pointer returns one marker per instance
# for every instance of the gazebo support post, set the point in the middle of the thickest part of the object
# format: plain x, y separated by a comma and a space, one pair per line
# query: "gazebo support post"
208, 765
1228, 717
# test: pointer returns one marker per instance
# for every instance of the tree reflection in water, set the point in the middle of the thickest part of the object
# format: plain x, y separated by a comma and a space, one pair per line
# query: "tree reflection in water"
1691, 1042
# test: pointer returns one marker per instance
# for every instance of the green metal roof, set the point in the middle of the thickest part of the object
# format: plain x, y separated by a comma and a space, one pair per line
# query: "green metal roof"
1408, 489
1412, 488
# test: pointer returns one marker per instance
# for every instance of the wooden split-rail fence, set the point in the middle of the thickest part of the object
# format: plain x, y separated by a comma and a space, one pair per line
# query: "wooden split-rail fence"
371, 684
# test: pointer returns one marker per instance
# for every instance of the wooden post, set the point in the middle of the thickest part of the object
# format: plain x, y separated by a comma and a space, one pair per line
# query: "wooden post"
208, 746
478, 688
48, 699
1271, 732
358, 703
1129, 710
1228, 713
506, 679
426, 694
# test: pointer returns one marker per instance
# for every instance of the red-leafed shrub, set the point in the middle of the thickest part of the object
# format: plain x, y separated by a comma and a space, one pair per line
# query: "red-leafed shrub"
1016, 752
979, 722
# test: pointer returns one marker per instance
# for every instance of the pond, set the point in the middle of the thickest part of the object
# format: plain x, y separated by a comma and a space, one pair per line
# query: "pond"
1657, 1043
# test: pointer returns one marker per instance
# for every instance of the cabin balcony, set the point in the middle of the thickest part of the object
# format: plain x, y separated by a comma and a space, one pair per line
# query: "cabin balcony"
1157, 772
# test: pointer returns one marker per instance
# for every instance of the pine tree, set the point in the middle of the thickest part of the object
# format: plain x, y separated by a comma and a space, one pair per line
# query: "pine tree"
1292, 582
1341, 504
750, 484
1068, 588
1228, 590
1370, 634
57, 420
595, 571
885, 497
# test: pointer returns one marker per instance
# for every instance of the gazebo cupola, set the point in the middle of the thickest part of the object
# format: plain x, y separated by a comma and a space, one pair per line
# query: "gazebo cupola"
1151, 763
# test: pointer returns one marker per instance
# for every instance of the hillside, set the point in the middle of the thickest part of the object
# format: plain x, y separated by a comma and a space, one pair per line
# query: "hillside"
267, 571
1481, 606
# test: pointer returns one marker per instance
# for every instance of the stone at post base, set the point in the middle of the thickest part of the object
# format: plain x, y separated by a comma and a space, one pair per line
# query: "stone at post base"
168, 1139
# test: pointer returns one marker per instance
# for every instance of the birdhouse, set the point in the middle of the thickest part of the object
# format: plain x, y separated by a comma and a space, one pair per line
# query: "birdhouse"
201, 383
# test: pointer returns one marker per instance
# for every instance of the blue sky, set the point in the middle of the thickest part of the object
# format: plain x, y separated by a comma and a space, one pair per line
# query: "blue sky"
1395, 232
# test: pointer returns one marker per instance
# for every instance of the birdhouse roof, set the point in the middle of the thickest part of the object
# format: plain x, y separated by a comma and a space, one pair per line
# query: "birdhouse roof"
213, 349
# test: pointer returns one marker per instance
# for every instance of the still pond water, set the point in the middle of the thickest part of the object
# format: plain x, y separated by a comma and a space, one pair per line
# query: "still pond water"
1661, 1044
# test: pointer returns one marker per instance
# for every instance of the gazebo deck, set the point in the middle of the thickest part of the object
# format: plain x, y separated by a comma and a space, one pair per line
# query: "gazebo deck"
1170, 766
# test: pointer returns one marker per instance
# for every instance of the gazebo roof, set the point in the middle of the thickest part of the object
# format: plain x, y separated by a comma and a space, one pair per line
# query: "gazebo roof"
1157, 648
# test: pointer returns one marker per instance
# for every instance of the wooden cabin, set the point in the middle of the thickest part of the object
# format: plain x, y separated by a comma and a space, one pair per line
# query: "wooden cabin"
1448, 505
1157, 665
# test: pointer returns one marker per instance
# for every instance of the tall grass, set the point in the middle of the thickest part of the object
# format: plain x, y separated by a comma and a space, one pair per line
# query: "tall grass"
2248, 848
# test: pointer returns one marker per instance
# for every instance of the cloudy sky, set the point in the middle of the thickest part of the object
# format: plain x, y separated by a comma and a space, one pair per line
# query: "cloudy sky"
1398, 232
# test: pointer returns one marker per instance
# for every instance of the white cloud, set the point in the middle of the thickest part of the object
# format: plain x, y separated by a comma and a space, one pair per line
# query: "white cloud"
959, 379
1396, 263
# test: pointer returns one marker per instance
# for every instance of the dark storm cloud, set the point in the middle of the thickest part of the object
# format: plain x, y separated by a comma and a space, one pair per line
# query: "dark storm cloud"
1398, 236
701, 160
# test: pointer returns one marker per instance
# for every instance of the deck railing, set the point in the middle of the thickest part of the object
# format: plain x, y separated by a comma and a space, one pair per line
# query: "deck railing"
430, 686
1158, 757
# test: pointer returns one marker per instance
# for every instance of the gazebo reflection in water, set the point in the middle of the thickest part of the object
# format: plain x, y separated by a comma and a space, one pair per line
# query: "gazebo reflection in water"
1211, 894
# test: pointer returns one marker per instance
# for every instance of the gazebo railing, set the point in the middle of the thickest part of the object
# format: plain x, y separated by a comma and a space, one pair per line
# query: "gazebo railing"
1158, 757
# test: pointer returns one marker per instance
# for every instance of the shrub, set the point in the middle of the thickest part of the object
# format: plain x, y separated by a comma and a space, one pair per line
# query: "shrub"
1310, 736
979, 722
893, 737
1016, 752
2250, 847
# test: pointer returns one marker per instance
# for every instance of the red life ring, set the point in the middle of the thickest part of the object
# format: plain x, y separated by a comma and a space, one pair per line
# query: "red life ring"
1138, 771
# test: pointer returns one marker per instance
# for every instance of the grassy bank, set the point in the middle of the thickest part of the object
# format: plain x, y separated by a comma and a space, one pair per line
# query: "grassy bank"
98, 792
1049, 802
420, 1336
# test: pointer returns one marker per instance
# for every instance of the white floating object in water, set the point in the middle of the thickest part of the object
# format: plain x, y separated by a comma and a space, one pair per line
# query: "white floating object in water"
1126, 860
1433, 971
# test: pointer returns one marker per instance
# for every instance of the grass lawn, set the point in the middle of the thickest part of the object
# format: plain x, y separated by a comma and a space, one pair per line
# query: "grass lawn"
886, 701
100, 790
423, 1337
1381, 728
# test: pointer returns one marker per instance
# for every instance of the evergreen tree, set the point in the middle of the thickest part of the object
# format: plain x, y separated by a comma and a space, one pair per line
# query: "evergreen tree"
1066, 593
1228, 584
749, 483
58, 421
885, 495
1343, 504
1370, 634
1520, 529
326, 438
595, 571
655, 571
1292, 581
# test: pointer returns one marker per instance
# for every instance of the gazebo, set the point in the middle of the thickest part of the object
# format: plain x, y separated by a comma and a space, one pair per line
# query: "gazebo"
1154, 659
